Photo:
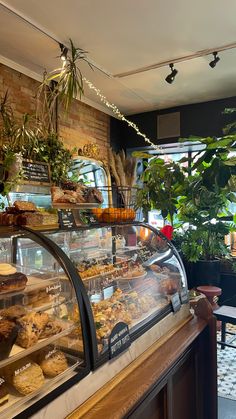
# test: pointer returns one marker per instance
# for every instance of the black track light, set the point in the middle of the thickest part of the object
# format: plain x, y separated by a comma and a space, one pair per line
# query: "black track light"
170, 78
213, 63
64, 52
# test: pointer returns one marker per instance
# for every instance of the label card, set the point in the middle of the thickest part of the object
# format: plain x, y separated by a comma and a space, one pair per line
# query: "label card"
66, 219
175, 301
184, 296
119, 339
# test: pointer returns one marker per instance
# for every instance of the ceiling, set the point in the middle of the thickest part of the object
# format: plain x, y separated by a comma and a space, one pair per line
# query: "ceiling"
125, 35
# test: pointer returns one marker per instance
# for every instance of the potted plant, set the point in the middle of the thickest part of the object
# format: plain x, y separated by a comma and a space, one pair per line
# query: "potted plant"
209, 192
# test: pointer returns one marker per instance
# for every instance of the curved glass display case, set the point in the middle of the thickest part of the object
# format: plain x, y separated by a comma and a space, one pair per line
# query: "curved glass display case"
133, 278
43, 343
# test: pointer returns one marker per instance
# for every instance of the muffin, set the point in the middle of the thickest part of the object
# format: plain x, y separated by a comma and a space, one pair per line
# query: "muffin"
25, 375
52, 361
30, 327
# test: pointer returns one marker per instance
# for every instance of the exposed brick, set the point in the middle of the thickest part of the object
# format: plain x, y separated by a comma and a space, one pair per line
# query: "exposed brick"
83, 124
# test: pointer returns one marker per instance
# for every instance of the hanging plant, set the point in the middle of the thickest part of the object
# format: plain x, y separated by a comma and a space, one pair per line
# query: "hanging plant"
68, 78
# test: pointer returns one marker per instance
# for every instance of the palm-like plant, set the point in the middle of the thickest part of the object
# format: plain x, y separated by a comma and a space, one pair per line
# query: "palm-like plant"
68, 78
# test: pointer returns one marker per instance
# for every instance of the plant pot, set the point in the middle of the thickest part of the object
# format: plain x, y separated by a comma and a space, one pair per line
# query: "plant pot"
206, 272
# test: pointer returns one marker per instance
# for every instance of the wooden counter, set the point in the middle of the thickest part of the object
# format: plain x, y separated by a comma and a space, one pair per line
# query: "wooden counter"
174, 379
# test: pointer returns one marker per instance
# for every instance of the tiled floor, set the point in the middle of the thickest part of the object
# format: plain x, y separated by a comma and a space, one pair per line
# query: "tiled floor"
226, 408
227, 369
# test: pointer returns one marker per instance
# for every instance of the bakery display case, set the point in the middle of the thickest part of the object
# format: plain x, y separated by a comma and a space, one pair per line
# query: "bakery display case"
43, 341
133, 278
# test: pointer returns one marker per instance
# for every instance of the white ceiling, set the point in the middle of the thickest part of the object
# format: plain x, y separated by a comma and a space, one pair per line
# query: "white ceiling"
124, 35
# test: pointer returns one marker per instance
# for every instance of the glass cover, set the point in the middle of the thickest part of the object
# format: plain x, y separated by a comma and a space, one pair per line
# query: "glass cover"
130, 274
41, 343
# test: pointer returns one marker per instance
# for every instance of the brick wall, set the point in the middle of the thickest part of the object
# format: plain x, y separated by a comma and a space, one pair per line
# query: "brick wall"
82, 125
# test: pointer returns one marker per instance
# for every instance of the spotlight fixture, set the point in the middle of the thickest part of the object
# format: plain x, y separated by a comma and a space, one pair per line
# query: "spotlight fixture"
64, 52
170, 78
213, 63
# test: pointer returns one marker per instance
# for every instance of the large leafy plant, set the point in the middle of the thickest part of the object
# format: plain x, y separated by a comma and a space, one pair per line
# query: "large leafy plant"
209, 194
164, 185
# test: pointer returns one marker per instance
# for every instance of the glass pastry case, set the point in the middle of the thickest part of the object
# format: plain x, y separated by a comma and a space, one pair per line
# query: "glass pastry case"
133, 278
43, 341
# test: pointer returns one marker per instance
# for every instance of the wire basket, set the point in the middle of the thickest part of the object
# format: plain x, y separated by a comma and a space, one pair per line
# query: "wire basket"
118, 204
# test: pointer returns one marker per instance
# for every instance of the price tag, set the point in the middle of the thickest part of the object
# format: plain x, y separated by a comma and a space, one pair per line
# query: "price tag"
144, 253
184, 296
108, 292
175, 301
66, 219
119, 339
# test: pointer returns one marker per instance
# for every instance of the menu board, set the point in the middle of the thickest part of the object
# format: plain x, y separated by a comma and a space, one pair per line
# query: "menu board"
36, 172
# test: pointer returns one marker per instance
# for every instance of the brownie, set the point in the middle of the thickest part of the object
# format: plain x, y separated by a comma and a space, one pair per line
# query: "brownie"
8, 335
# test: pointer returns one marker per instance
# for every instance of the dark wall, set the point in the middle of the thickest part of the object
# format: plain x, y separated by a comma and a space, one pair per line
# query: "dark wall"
201, 119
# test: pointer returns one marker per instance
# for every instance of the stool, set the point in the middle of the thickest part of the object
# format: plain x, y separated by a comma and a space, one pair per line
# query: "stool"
226, 314
211, 293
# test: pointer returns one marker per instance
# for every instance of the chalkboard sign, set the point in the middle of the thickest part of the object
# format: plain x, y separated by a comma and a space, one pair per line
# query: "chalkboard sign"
66, 219
175, 302
119, 339
184, 296
36, 172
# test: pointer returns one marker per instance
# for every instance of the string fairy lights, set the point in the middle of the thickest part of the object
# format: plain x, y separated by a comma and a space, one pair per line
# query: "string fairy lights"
117, 112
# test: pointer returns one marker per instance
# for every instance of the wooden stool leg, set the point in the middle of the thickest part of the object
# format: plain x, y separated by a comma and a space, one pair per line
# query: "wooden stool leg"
223, 333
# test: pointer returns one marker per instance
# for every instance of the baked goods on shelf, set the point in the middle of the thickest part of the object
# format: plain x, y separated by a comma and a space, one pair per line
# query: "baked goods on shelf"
53, 327
52, 361
13, 312
96, 270
31, 326
10, 279
4, 394
122, 306
25, 206
26, 213
75, 193
25, 375
8, 335
168, 286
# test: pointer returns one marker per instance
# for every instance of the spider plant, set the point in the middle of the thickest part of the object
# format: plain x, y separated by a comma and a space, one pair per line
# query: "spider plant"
69, 80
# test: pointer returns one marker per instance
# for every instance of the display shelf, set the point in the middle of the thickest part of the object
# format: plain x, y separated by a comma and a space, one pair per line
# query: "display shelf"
69, 206
16, 401
17, 352
33, 284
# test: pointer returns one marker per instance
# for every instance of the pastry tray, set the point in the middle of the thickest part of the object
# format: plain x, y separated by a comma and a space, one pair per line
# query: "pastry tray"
90, 278
17, 352
17, 402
